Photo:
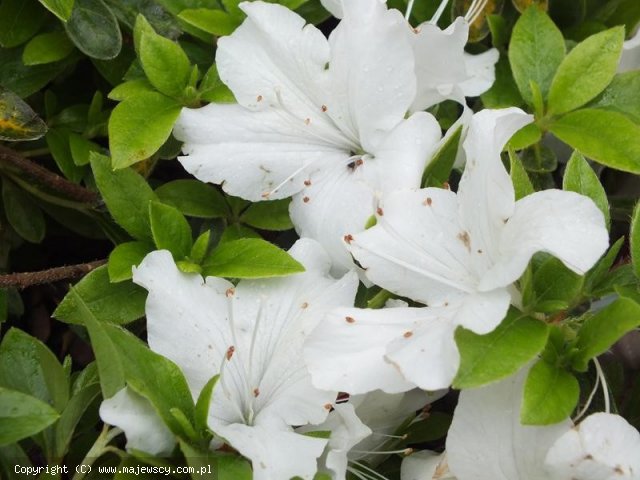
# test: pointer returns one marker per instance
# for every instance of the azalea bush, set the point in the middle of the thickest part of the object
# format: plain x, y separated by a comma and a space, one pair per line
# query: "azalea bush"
320, 239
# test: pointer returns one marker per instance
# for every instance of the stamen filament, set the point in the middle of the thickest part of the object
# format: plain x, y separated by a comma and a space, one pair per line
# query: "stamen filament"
407, 14
436, 16
605, 387
589, 400
372, 471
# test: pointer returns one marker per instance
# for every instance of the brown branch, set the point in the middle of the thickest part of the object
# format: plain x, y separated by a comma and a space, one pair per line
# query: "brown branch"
68, 189
27, 279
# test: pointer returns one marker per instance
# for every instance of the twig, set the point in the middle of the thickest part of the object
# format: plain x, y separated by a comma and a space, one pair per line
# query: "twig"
27, 279
42, 175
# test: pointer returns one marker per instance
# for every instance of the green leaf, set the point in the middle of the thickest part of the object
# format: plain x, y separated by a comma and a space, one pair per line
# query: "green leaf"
586, 71
525, 137
237, 231
139, 126
170, 230
22, 212
215, 22
579, 177
94, 29
194, 198
555, 286
22, 416
28, 366
124, 257
127, 196
200, 247
435, 426
47, 48
60, 8
71, 415
110, 365
609, 138
439, 168
605, 328
19, 21
273, 215
154, 377
496, 355
536, 50
159, 56
203, 404
250, 258
519, 177
119, 303
550, 395
131, 88
504, 91
59, 145
212, 89
634, 240
621, 95
600, 270
18, 122
81, 149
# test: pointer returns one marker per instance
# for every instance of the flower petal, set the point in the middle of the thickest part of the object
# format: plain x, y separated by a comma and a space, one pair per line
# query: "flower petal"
142, 426
481, 72
334, 7
486, 194
630, 59
184, 303
564, 224
424, 465
417, 247
603, 446
346, 351
253, 155
372, 79
275, 454
486, 440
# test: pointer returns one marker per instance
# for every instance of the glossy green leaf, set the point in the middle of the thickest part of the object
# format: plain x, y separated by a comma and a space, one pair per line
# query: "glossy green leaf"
28, 366
610, 138
19, 21
110, 365
536, 50
119, 303
127, 196
22, 416
504, 91
170, 230
58, 142
521, 183
586, 71
139, 126
579, 177
599, 271
124, 257
159, 56
525, 137
603, 329
621, 95
201, 247
211, 88
194, 198
94, 29
216, 22
71, 415
250, 258
130, 88
46, 48
496, 355
272, 215
203, 404
550, 395
439, 168
555, 286
154, 377
81, 149
22, 212
60, 8
634, 239
18, 122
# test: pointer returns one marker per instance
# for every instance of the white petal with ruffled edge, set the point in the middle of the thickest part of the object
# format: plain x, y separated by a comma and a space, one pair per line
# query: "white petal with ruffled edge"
603, 446
141, 424
486, 440
275, 454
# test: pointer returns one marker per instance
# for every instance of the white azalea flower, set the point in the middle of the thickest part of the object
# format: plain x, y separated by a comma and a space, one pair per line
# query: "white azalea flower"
322, 120
252, 336
630, 59
457, 253
143, 427
602, 447
425, 465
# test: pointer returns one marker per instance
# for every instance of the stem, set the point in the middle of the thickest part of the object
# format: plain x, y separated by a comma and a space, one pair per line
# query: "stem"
40, 174
98, 448
36, 152
603, 383
27, 279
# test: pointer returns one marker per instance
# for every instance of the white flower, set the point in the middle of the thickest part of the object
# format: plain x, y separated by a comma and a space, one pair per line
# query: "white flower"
425, 465
142, 425
251, 335
322, 120
630, 59
457, 253
602, 447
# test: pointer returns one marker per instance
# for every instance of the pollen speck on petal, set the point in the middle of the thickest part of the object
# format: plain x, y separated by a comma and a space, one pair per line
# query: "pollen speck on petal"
379, 211
348, 238
428, 201
307, 121
407, 334
328, 406
350, 319
324, 108
307, 183
304, 305
256, 392
230, 292
306, 199
259, 98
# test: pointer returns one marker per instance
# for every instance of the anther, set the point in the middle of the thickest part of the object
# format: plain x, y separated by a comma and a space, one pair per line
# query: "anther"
348, 238
350, 319
230, 292
230, 351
